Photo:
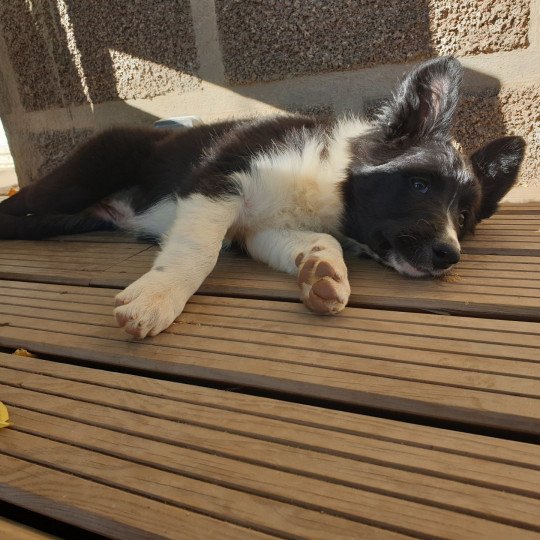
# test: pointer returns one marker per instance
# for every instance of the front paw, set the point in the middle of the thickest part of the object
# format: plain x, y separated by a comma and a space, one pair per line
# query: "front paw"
324, 287
147, 307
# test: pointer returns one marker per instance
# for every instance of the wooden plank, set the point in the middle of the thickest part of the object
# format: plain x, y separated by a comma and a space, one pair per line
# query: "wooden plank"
482, 375
470, 292
67, 261
399, 358
56, 262
444, 403
106, 237
174, 485
466, 348
231, 505
402, 485
420, 437
100, 301
29, 287
345, 330
71, 277
499, 275
52, 246
521, 233
520, 198
11, 530
102, 509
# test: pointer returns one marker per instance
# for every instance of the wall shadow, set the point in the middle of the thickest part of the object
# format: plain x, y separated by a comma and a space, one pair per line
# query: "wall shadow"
115, 41
396, 32
274, 41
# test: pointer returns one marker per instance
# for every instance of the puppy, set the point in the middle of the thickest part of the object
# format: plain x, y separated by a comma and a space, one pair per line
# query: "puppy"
289, 189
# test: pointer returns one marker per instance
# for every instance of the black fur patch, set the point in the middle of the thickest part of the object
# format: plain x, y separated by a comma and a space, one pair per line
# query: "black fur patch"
37, 227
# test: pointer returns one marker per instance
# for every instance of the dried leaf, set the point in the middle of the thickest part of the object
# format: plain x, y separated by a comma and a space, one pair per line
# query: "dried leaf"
13, 191
4, 416
24, 352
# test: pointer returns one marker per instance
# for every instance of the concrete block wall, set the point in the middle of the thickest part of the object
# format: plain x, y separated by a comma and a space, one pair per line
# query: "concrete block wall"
70, 67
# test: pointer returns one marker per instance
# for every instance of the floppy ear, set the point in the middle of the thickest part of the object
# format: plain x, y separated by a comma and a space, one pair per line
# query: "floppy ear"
497, 165
425, 103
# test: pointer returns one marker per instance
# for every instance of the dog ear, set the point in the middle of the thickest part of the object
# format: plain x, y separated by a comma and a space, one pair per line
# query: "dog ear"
425, 102
497, 165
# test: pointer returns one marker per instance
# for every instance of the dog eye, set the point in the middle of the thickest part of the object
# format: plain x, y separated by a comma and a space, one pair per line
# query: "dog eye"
420, 184
462, 218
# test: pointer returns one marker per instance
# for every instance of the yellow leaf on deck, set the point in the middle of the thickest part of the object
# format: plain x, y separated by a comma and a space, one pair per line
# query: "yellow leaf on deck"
4, 416
24, 352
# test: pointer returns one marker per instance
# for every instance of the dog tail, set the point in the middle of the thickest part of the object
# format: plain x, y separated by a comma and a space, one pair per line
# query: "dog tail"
37, 227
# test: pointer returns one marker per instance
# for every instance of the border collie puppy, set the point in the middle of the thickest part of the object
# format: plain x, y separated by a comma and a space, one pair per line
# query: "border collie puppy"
288, 189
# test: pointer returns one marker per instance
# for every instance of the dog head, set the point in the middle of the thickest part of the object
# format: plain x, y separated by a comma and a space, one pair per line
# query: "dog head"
411, 196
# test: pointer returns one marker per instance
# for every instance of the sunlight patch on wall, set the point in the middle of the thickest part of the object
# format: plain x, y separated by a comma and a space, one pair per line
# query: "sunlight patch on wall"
138, 78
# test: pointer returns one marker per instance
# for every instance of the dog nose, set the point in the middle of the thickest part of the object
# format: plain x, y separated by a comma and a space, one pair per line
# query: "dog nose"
444, 255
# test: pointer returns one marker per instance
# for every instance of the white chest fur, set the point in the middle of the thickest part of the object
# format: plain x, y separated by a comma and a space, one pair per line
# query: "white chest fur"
297, 185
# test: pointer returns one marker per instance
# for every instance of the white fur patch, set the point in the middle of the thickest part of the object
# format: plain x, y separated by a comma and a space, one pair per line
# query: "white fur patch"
279, 248
296, 186
156, 221
450, 231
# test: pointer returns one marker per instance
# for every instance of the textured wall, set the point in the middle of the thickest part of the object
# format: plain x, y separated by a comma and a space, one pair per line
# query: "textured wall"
67, 52
478, 26
51, 146
30, 51
133, 49
69, 67
274, 39
280, 38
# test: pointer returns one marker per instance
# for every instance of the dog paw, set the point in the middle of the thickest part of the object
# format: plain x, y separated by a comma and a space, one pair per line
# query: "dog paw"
324, 287
147, 307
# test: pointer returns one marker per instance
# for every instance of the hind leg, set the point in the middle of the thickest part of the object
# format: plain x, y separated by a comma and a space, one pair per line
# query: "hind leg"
107, 163
32, 227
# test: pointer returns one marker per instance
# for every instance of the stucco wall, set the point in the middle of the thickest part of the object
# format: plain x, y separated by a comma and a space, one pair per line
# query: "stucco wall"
271, 40
69, 67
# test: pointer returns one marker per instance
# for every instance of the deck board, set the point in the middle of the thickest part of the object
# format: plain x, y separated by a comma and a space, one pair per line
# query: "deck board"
482, 375
146, 436
51, 262
498, 276
418, 436
99, 508
143, 455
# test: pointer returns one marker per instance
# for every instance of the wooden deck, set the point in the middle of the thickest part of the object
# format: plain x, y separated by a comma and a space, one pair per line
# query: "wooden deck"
414, 413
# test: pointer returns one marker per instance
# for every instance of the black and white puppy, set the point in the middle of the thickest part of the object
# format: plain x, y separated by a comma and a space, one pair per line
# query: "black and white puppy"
289, 189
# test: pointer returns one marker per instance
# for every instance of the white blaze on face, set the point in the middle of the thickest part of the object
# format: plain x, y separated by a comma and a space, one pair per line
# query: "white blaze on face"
450, 233
449, 236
